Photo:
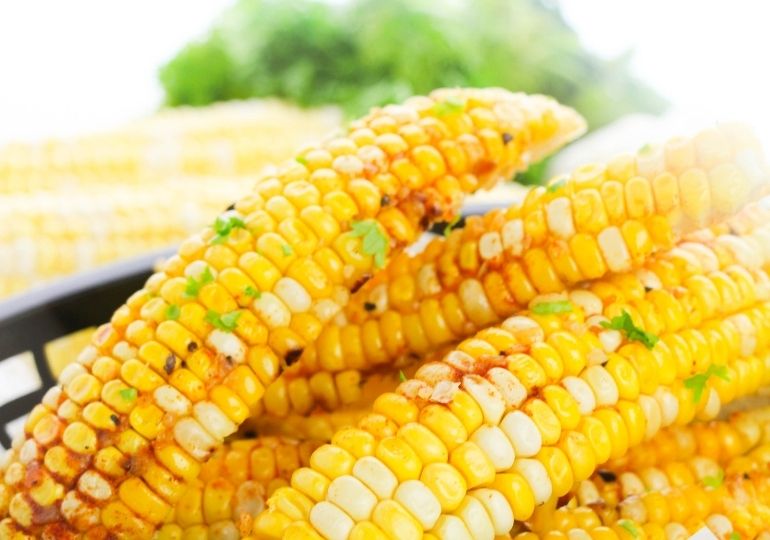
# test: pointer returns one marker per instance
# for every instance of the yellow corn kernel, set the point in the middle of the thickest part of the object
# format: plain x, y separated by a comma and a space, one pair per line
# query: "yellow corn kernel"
517, 492
465, 408
138, 497
446, 483
356, 441
544, 418
396, 407
444, 424
617, 430
473, 464
399, 457
426, 445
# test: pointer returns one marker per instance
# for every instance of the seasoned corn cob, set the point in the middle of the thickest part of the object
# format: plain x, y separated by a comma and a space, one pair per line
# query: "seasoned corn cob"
514, 416
436, 322
599, 220
691, 492
179, 365
232, 488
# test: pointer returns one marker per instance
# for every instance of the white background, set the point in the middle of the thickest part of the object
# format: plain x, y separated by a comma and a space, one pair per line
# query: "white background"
84, 65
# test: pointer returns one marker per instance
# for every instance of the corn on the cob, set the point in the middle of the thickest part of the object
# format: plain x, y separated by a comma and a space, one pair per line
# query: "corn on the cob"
520, 412
227, 138
44, 235
695, 492
599, 220
438, 321
232, 488
179, 365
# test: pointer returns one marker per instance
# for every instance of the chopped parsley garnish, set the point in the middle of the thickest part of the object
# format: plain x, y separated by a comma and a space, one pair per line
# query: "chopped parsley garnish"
734, 536
625, 324
451, 105
301, 160
225, 322
172, 312
630, 527
194, 285
251, 291
645, 149
223, 226
401, 376
716, 480
128, 394
697, 383
552, 308
375, 243
553, 187
451, 225
287, 250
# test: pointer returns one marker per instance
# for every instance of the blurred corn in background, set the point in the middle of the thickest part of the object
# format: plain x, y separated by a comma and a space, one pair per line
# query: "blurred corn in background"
72, 204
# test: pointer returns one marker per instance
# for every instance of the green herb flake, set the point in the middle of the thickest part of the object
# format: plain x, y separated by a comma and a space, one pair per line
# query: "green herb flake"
451, 105
128, 394
716, 480
252, 292
193, 286
552, 308
553, 187
630, 527
401, 376
451, 226
625, 324
287, 250
227, 322
172, 312
645, 149
734, 536
697, 383
224, 225
301, 160
375, 242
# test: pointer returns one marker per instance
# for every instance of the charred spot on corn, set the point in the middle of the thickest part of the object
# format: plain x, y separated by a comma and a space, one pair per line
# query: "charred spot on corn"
457, 222
625, 324
292, 356
360, 283
385, 200
191, 347
370, 306
607, 476
224, 225
170, 364
227, 322
115, 420
507, 137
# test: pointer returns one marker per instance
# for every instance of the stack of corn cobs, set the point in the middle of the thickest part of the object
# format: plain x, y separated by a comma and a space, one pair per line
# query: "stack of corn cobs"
550, 370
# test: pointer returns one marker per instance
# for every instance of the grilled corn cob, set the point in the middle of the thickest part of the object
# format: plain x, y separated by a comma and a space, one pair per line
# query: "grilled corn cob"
232, 488
438, 321
519, 413
694, 492
179, 365
598, 220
